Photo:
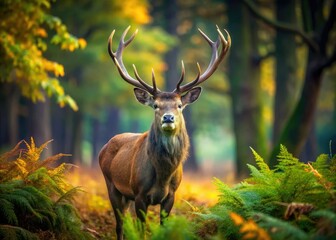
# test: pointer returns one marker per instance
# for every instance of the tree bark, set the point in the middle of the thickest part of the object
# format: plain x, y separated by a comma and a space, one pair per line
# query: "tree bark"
9, 124
39, 125
13, 118
78, 120
102, 131
244, 75
287, 84
301, 121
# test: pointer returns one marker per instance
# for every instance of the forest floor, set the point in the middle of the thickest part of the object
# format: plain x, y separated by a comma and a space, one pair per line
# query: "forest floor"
196, 192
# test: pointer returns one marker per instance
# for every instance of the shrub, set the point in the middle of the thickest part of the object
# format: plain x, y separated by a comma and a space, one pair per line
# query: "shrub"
35, 198
293, 201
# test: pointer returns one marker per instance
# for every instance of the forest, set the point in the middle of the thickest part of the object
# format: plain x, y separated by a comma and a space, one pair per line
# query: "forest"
261, 162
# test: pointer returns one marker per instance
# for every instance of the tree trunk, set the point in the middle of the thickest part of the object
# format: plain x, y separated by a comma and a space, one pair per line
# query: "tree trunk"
244, 75
9, 124
103, 131
39, 124
78, 122
287, 83
13, 116
58, 125
300, 123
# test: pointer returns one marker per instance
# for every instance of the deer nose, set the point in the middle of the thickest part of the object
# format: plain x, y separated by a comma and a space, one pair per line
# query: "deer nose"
168, 118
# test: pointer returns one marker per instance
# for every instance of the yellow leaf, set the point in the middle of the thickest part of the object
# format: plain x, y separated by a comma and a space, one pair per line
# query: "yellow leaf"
41, 32
82, 43
237, 219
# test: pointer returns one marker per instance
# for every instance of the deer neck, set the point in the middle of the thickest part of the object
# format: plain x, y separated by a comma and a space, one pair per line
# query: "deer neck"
167, 150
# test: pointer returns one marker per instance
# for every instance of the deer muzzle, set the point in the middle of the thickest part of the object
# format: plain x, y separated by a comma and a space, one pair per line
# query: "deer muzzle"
168, 122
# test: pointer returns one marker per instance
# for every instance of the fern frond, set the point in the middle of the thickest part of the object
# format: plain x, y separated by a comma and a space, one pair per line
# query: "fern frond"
68, 196
321, 163
228, 196
33, 153
259, 177
13, 233
286, 160
279, 229
7, 212
264, 168
22, 204
10, 154
51, 160
21, 167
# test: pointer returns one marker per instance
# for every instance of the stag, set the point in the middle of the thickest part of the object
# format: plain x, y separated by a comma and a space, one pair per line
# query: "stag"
147, 168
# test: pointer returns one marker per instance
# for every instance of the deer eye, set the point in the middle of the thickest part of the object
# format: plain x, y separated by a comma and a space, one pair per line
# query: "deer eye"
179, 106
155, 106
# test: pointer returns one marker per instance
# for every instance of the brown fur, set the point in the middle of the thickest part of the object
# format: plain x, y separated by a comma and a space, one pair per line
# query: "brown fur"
147, 168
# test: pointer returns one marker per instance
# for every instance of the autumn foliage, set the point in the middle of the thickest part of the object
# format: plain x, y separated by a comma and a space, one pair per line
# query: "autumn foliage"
26, 30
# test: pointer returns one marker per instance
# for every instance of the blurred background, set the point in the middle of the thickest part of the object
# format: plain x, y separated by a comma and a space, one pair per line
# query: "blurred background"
277, 84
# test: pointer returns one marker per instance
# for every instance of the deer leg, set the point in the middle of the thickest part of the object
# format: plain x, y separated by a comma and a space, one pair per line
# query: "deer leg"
119, 204
166, 206
141, 208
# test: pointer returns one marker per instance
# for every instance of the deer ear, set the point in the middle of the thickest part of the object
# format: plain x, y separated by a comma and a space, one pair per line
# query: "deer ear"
191, 96
143, 97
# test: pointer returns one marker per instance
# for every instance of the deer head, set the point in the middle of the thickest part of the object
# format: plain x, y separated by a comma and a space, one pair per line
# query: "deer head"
168, 106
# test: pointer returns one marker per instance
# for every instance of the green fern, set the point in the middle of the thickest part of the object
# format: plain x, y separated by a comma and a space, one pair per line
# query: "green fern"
133, 228
281, 199
10, 232
326, 222
280, 229
264, 168
35, 198
174, 227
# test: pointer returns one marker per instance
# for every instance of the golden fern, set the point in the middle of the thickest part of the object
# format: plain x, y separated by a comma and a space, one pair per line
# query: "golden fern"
35, 195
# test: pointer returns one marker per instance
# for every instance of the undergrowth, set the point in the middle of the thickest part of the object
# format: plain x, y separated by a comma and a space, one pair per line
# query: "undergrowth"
294, 200
35, 198
174, 227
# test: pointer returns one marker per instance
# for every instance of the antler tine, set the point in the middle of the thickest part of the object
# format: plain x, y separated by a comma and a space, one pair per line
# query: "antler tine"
181, 78
190, 84
109, 45
214, 61
154, 82
117, 59
147, 87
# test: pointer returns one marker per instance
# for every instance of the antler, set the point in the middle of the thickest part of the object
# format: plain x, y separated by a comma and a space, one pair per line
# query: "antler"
117, 59
214, 62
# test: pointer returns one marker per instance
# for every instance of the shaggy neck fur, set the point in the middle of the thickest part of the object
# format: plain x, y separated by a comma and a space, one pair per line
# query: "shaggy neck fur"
167, 151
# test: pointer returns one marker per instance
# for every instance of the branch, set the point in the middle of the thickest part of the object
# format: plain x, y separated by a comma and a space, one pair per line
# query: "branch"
279, 25
328, 27
330, 60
